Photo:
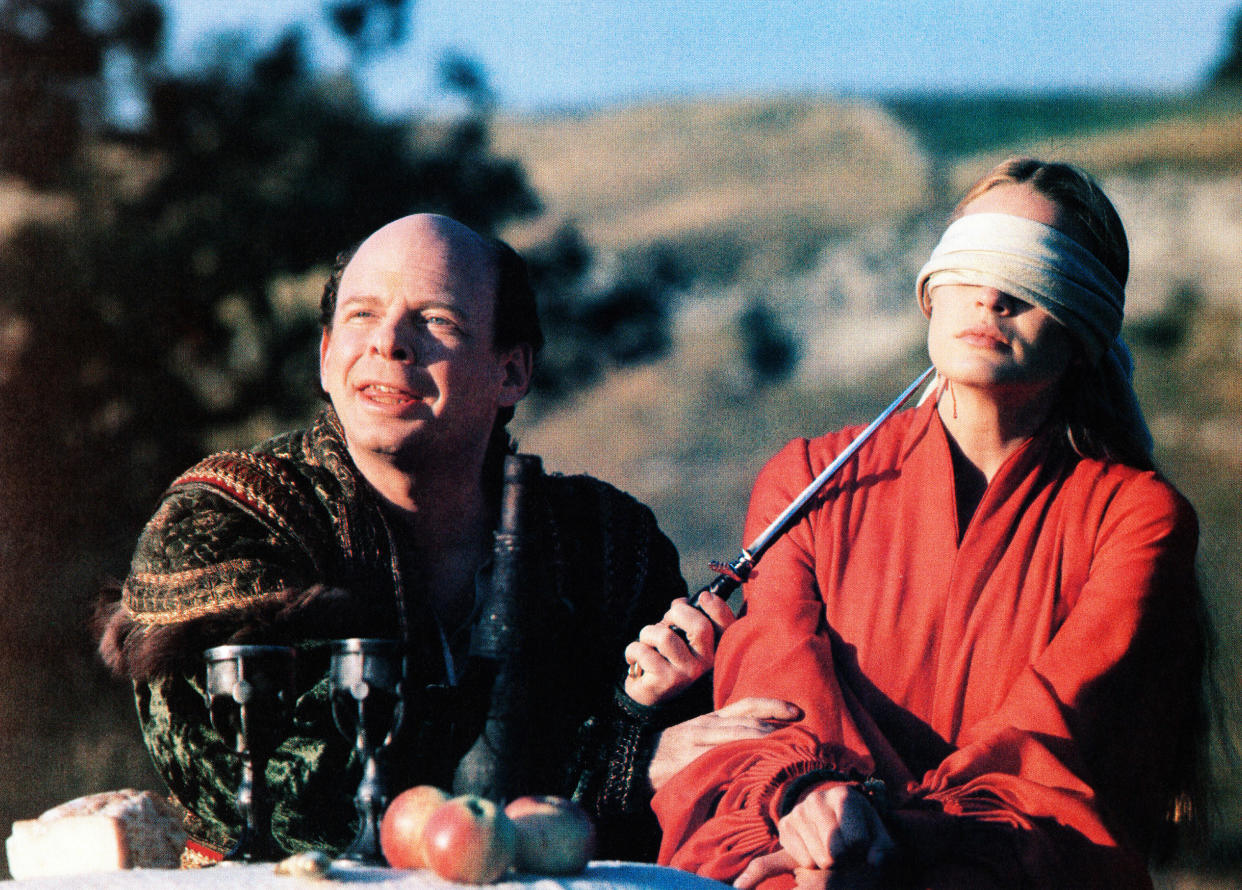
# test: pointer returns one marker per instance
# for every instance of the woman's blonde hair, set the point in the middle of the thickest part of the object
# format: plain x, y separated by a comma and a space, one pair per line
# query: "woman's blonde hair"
1088, 408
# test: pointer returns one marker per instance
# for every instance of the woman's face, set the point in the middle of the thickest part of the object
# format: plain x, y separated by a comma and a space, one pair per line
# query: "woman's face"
980, 336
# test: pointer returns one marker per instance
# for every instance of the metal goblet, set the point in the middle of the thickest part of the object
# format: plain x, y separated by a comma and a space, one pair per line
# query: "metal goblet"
250, 693
366, 686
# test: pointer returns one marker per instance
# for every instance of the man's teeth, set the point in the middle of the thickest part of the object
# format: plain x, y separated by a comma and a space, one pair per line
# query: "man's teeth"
388, 393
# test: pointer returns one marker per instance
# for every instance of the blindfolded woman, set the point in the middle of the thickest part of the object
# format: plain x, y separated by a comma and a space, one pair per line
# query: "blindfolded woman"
989, 617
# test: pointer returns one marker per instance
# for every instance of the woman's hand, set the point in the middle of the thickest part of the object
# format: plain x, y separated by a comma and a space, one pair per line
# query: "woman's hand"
834, 823
832, 827
748, 718
762, 867
855, 877
668, 663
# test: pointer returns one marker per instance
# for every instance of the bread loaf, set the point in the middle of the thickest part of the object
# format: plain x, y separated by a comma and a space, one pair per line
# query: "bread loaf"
108, 831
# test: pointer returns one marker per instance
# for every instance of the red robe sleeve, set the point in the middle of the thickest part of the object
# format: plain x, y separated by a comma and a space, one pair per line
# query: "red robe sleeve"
1041, 790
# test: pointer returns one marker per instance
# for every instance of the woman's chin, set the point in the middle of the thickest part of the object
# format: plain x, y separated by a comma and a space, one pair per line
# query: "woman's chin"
973, 370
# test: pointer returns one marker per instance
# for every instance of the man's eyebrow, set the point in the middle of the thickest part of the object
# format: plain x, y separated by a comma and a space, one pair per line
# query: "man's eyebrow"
432, 303
364, 298
443, 306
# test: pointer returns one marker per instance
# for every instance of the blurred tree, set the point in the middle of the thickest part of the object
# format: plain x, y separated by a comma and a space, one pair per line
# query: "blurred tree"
771, 351
60, 405
1228, 71
1168, 328
52, 59
370, 26
598, 316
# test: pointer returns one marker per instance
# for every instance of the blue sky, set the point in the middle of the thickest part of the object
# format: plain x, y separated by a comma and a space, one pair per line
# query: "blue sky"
543, 54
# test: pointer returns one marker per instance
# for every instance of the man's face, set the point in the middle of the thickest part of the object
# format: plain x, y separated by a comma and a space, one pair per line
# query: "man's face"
408, 362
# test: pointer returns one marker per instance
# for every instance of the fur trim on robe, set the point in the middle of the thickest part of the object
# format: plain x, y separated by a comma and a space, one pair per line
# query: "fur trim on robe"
141, 651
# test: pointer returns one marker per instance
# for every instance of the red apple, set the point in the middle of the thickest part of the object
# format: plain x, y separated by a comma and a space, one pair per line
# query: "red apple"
555, 836
401, 830
469, 840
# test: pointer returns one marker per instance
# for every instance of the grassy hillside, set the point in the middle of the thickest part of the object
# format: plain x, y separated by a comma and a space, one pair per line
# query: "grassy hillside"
769, 178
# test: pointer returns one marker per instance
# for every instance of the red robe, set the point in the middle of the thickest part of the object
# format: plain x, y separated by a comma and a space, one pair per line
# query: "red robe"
1022, 686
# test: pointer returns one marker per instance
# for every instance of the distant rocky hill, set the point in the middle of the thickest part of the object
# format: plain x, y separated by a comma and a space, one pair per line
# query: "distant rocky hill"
767, 177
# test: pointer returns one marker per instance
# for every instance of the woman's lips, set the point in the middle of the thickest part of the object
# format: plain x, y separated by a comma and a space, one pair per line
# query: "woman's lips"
984, 337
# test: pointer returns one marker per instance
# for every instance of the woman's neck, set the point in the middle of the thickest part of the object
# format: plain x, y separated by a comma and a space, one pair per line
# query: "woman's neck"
988, 424
985, 428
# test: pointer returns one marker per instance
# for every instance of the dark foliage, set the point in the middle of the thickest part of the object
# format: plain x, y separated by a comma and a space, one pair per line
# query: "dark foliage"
1228, 71
1168, 329
596, 318
771, 350
370, 25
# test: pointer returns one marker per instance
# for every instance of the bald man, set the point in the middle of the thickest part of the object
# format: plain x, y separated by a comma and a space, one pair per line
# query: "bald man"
377, 521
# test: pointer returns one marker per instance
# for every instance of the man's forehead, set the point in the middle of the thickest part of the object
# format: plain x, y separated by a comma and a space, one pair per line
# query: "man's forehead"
423, 251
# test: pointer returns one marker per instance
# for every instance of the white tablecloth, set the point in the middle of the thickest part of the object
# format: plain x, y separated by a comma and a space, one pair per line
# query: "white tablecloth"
598, 876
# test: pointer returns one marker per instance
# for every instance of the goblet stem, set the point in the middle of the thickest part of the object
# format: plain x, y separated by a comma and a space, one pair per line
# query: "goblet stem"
366, 679
250, 691
253, 844
370, 801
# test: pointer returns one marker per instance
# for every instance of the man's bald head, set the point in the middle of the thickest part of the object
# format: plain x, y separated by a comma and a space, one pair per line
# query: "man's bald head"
497, 265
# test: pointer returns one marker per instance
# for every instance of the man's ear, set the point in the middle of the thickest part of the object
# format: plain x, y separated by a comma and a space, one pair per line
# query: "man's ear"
323, 352
517, 365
